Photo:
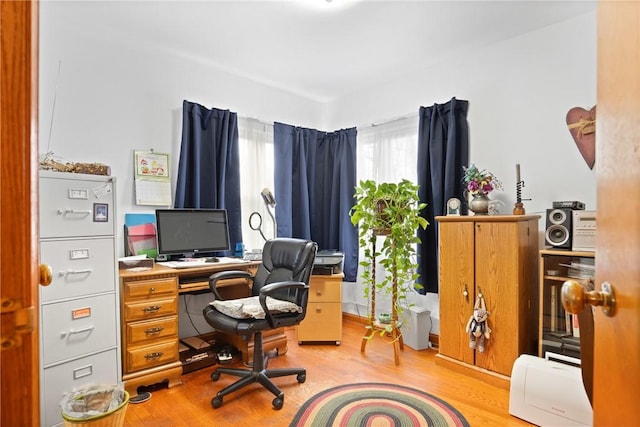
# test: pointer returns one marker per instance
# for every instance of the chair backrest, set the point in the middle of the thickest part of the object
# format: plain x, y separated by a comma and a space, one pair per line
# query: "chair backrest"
285, 259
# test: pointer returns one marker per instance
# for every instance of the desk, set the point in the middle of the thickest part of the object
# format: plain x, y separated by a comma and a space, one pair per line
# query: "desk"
149, 320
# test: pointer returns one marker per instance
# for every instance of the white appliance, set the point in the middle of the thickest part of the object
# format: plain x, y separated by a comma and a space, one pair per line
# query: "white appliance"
549, 393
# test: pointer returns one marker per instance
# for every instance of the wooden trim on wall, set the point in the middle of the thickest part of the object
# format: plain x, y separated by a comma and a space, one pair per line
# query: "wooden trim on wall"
433, 338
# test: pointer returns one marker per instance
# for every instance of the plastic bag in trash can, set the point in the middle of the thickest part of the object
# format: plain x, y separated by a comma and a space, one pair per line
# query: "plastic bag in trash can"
92, 400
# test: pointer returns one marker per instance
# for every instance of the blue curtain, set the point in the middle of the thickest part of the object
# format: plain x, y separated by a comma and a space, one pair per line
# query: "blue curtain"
209, 167
443, 148
315, 179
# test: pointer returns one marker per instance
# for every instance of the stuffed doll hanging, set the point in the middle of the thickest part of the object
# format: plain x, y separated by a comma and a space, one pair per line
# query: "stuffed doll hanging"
478, 325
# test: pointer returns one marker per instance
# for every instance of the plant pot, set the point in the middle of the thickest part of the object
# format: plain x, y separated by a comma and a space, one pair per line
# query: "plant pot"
479, 204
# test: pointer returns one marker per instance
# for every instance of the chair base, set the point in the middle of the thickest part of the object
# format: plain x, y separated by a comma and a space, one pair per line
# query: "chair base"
257, 374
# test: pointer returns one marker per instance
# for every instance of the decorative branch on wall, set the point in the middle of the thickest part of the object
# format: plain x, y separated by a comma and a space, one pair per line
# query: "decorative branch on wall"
582, 126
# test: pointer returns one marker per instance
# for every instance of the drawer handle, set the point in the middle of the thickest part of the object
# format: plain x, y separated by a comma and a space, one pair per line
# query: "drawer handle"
318, 310
70, 272
77, 331
153, 331
152, 290
152, 309
318, 293
74, 211
154, 356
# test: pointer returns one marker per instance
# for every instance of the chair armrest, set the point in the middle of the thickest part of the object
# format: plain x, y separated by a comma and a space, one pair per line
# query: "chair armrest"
224, 275
271, 288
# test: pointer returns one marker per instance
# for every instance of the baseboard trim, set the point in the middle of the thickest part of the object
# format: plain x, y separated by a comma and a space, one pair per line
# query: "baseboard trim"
349, 317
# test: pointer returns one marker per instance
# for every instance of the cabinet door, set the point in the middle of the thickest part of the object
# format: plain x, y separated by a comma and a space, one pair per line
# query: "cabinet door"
456, 276
498, 278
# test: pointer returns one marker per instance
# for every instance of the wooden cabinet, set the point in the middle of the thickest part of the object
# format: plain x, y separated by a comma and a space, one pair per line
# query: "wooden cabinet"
323, 321
149, 308
558, 331
79, 332
495, 256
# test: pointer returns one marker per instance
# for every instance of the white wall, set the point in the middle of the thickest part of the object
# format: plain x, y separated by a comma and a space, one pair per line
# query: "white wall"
113, 96
519, 92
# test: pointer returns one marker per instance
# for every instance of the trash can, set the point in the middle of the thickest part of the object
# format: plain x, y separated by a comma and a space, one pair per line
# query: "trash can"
112, 418
415, 332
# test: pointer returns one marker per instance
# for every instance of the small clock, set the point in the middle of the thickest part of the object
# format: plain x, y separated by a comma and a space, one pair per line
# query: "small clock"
453, 206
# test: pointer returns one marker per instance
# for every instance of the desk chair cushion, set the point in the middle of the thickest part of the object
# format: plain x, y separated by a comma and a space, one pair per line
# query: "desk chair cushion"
250, 308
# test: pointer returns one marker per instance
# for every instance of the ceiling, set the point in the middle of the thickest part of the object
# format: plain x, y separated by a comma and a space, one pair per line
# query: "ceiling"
319, 49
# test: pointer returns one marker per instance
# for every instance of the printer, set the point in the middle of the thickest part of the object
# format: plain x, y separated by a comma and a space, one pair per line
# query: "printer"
328, 262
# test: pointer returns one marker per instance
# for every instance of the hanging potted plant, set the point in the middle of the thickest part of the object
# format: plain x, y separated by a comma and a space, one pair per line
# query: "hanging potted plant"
388, 216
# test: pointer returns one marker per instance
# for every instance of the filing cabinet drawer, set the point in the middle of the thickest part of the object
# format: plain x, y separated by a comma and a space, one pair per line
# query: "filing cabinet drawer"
152, 355
139, 332
325, 289
100, 368
76, 207
79, 267
73, 328
150, 288
149, 309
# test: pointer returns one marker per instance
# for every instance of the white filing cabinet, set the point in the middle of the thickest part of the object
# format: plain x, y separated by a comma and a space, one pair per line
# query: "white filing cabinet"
79, 310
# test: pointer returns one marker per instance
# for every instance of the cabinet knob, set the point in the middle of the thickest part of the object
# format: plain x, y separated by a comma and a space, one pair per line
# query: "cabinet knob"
574, 297
465, 293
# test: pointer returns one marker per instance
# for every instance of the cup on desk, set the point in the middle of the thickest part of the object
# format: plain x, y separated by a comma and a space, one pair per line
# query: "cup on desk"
239, 252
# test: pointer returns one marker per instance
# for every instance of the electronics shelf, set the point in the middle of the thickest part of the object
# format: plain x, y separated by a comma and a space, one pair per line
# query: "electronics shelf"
559, 331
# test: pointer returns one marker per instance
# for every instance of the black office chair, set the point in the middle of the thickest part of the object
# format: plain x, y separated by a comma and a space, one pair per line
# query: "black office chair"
284, 276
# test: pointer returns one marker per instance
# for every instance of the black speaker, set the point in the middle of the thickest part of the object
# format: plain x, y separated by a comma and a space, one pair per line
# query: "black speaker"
558, 234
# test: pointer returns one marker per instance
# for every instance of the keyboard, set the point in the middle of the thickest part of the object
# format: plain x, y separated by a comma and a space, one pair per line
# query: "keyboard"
201, 263
188, 264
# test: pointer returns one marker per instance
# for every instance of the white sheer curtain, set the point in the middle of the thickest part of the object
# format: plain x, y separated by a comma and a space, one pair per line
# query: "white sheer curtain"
387, 152
256, 161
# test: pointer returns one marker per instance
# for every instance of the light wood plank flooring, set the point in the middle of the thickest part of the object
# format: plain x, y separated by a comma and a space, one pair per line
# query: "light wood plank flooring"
327, 365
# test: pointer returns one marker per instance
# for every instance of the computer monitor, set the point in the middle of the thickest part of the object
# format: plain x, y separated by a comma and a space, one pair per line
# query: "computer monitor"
192, 232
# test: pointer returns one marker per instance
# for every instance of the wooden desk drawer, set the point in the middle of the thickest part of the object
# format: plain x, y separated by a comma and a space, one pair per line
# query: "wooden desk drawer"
150, 309
152, 355
151, 330
323, 322
150, 288
325, 290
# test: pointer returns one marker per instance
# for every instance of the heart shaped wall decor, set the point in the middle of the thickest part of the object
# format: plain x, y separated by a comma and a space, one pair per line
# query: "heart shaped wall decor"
582, 126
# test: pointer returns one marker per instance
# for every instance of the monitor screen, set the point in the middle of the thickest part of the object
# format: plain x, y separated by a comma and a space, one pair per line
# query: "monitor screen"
192, 232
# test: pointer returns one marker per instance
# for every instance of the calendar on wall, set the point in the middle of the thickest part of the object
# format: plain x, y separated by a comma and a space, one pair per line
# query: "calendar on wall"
152, 178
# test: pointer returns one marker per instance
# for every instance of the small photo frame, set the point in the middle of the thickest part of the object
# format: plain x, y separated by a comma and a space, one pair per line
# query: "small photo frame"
100, 212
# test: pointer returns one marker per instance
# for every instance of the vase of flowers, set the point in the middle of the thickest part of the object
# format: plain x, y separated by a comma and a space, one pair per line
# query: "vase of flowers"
479, 183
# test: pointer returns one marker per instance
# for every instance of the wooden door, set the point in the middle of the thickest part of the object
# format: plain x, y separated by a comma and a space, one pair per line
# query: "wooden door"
497, 278
18, 212
617, 339
456, 276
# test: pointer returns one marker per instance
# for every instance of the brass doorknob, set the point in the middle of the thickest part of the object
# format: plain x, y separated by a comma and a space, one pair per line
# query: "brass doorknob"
574, 297
46, 275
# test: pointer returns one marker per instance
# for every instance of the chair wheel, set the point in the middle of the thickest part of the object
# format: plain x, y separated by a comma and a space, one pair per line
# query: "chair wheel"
215, 376
301, 378
216, 402
277, 403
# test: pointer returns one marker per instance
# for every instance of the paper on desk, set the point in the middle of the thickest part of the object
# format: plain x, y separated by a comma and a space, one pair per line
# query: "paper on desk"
133, 258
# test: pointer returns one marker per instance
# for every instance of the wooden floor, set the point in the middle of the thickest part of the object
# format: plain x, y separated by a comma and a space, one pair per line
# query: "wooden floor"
327, 365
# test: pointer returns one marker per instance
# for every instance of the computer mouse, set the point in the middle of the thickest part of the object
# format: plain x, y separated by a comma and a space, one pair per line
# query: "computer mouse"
213, 259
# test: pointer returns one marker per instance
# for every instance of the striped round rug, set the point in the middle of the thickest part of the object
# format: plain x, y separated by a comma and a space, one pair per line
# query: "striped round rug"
376, 404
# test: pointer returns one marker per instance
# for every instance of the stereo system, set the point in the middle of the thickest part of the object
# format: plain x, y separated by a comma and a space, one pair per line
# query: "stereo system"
569, 226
